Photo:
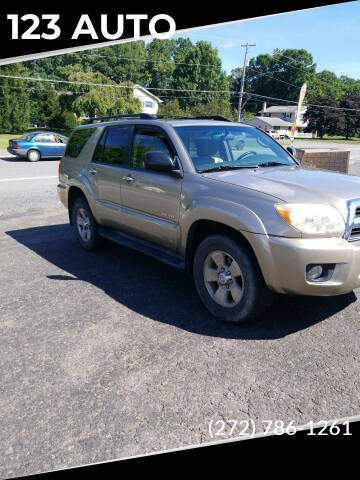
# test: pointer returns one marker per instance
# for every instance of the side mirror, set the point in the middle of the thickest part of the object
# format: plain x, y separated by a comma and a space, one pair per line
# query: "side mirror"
159, 161
291, 150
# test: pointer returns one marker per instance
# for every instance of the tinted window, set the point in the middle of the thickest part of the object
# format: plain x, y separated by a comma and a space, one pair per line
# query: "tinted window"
77, 141
112, 147
147, 141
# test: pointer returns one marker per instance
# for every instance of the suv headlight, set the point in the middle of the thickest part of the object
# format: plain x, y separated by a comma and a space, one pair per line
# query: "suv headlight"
312, 218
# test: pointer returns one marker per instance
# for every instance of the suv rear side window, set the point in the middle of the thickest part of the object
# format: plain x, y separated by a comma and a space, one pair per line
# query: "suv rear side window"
147, 140
77, 141
112, 147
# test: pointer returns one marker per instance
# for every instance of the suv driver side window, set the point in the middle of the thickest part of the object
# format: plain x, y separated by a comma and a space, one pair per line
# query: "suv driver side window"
148, 140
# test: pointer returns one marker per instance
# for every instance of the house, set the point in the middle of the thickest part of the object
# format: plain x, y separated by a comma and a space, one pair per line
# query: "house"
149, 102
278, 119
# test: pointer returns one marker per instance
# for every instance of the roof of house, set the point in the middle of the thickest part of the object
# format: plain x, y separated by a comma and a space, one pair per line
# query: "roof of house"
281, 109
273, 121
144, 90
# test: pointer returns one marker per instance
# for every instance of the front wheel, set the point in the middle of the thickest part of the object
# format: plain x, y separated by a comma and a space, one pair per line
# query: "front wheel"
85, 226
228, 280
33, 155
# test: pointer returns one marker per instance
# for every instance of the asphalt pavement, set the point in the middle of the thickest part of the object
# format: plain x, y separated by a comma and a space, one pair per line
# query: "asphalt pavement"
111, 354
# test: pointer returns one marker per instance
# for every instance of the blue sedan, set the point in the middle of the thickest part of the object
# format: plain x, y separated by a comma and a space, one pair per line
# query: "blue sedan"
36, 145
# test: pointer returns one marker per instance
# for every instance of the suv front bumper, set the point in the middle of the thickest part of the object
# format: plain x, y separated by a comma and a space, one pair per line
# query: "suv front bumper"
283, 263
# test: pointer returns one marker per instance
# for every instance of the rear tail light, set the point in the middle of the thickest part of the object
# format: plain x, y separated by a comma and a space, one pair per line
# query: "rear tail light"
16, 145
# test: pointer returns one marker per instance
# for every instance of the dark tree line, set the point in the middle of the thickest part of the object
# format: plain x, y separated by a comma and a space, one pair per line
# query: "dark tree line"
326, 116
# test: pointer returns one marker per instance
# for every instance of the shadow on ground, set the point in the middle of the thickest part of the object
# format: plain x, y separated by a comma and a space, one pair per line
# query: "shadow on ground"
163, 293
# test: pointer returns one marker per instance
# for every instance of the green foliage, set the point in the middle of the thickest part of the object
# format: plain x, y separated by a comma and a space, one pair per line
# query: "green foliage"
160, 66
322, 120
14, 102
215, 107
45, 106
349, 120
97, 101
65, 120
172, 107
170, 66
190, 73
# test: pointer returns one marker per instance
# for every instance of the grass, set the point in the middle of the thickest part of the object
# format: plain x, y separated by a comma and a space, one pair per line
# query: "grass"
334, 139
5, 137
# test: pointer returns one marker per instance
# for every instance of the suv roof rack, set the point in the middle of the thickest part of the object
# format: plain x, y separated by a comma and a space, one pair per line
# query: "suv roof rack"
142, 116
196, 117
148, 116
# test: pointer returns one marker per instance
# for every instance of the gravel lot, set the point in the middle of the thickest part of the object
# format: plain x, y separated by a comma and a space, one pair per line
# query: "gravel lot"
111, 354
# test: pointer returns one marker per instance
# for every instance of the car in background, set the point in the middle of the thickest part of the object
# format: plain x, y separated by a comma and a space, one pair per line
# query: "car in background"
36, 145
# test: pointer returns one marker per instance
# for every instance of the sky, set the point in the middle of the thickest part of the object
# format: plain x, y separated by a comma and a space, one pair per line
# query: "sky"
331, 34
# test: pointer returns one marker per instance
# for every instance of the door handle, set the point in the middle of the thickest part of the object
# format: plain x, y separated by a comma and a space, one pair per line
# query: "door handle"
93, 171
128, 178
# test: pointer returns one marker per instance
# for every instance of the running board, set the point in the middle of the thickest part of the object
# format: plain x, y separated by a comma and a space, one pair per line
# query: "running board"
162, 254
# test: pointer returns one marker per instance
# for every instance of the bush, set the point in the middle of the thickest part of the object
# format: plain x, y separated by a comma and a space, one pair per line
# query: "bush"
65, 120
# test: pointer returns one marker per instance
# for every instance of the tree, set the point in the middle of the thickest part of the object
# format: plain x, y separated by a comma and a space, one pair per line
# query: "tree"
215, 107
14, 101
103, 101
44, 106
172, 107
279, 75
65, 120
160, 65
200, 69
321, 119
350, 116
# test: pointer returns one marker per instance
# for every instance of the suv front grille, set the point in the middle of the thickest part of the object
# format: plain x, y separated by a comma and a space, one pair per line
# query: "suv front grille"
352, 232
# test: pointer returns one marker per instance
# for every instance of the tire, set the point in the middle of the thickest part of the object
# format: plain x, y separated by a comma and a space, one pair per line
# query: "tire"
228, 280
33, 155
86, 229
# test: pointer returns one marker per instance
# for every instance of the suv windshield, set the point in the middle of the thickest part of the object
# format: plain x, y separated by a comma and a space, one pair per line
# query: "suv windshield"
226, 147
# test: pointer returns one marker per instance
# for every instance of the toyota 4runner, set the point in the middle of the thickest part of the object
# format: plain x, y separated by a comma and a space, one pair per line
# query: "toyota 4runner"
222, 200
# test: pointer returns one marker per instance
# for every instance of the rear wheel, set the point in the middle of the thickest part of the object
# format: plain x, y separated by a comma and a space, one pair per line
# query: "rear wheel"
85, 226
33, 155
228, 280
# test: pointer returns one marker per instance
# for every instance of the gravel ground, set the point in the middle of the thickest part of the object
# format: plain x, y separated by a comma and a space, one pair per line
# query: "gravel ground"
111, 354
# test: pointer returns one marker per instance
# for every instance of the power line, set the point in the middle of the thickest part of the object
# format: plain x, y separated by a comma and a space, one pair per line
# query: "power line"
305, 105
279, 80
103, 85
32, 79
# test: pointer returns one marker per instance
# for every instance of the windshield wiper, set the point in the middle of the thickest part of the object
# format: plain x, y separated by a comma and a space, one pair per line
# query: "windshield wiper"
227, 167
271, 164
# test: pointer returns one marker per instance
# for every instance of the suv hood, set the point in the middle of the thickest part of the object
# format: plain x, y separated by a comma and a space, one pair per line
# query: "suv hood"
296, 184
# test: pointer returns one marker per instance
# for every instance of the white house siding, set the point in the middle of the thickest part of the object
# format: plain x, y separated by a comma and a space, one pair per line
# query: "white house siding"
274, 130
287, 113
150, 103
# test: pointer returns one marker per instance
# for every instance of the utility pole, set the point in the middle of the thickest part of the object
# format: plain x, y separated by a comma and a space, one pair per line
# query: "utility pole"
241, 93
